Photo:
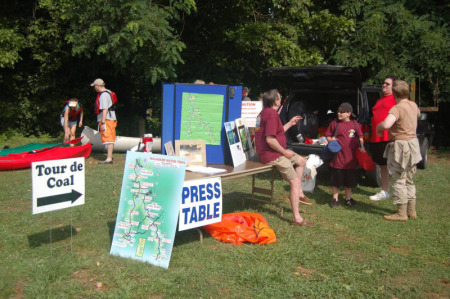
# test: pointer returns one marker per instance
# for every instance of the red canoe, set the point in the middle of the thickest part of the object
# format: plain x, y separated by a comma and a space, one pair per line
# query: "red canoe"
24, 160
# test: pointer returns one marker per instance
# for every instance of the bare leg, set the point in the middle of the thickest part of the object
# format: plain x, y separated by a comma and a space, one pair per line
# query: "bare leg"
299, 168
110, 149
73, 129
335, 192
293, 197
348, 193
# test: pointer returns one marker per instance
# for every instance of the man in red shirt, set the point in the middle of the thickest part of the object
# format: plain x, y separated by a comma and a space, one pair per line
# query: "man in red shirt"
270, 141
378, 143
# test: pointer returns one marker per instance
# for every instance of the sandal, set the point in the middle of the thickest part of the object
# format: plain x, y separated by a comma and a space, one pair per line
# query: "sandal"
303, 223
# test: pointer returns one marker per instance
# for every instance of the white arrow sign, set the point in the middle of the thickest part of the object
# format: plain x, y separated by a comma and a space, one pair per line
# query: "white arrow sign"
57, 184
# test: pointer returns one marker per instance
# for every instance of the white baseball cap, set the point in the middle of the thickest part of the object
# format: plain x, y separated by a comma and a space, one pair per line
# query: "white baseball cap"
98, 81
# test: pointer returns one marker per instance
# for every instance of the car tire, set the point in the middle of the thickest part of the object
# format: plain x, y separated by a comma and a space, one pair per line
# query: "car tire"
424, 152
373, 177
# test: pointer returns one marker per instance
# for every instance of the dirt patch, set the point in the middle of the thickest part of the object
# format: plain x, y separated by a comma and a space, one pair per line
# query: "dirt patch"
402, 251
304, 271
88, 280
438, 157
18, 288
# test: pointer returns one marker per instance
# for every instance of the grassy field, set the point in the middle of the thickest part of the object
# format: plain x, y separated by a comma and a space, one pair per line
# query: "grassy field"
351, 252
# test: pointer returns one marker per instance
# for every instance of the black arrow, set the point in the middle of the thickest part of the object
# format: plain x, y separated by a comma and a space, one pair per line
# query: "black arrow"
50, 200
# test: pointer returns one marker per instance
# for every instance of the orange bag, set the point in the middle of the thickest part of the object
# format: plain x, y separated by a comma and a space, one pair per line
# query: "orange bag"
242, 227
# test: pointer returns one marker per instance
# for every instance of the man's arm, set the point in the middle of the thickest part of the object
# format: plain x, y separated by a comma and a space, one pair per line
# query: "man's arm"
292, 122
276, 146
386, 124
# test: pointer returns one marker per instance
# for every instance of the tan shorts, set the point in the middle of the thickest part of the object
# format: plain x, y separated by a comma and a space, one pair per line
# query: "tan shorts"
108, 136
286, 166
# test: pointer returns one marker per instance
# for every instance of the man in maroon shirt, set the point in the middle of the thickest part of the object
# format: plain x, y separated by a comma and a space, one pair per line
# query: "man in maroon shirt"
378, 143
270, 141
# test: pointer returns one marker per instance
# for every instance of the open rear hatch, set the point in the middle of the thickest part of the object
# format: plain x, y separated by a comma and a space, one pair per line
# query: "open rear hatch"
321, 77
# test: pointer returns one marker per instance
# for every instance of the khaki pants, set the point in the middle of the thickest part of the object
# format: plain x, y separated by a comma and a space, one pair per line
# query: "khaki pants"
401, 180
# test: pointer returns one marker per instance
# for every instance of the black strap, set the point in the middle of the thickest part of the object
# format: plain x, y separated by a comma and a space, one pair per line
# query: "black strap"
335, 129
357, 135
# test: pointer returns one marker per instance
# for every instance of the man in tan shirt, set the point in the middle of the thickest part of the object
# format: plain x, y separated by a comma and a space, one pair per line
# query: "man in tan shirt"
403, 152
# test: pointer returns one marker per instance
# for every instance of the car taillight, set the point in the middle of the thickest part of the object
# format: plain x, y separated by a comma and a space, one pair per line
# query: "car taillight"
366, 132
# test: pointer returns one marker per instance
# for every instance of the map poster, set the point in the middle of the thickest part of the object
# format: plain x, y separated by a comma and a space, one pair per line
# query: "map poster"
237, 152
201, 203
148, 208
244, 136
201, 117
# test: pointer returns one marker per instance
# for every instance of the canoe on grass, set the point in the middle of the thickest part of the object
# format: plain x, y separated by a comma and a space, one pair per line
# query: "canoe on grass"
25, 148
24, 160
34, 147
122, 143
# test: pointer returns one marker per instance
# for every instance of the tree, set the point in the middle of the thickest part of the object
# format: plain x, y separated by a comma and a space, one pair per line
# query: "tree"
231, 42
59, 47
390, 39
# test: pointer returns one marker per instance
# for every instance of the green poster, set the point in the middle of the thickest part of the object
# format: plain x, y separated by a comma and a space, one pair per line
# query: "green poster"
149, 207
201, 117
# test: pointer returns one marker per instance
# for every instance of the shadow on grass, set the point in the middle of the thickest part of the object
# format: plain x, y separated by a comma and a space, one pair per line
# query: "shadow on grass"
43, 238
321, 197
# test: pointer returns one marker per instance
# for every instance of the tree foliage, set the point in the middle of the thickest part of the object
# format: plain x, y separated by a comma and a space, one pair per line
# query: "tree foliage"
232, 42
390, 39
51, 50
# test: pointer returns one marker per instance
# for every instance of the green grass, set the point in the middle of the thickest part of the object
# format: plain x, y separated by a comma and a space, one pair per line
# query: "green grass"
351, 252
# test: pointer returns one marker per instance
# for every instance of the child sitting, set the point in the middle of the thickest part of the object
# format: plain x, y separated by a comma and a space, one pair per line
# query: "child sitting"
343, 166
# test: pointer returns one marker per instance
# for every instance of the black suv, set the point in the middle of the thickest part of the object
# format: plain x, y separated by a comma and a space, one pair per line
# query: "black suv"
315, 93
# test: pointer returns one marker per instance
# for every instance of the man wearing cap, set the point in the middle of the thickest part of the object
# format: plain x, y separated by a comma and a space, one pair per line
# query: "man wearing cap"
106, 118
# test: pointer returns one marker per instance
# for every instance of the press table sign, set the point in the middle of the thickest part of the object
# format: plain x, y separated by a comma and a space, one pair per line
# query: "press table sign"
201, 203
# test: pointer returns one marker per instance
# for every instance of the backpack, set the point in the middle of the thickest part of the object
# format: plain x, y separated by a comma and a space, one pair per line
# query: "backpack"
113, 95
332, 148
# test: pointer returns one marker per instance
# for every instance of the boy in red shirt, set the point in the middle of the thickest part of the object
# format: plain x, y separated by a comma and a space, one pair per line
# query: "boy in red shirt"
343, 166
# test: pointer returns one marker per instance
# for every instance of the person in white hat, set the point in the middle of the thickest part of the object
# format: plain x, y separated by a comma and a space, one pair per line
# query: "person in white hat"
106, 117
71, 114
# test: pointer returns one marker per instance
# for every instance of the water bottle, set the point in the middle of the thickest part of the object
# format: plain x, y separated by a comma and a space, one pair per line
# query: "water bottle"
148, 143
300, 138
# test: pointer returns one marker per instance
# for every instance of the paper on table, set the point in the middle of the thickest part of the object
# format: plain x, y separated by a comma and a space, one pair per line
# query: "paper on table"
204, 169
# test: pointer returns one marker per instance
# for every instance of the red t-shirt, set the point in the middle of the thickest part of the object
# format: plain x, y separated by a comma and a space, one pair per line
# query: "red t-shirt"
268, 123
346, 158
380, 111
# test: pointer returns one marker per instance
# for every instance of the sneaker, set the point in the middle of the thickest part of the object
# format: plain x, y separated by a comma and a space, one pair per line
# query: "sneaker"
304, 200
334, 203
350, 202
380, 195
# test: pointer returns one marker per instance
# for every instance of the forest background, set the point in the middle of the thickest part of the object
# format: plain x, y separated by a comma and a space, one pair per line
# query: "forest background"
52, 50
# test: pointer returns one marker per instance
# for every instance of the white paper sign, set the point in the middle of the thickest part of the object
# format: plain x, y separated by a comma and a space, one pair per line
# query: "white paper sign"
249, 112
236, 149
57, 184
201, 203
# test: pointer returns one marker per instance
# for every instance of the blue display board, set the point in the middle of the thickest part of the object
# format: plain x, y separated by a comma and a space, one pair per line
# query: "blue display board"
197, 112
